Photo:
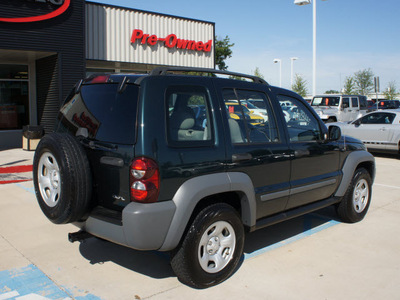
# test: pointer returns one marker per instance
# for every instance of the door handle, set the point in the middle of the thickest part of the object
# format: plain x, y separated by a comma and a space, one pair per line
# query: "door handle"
241, 157
301, 152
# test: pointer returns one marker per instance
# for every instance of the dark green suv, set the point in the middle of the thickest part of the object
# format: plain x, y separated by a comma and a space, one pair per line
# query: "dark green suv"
160, 162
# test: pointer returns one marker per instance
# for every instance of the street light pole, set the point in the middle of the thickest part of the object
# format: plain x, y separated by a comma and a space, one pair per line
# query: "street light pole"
277, 60
314, 88
305, 2
292, 59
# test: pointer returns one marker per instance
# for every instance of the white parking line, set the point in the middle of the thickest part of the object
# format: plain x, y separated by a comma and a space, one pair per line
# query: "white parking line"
9, 295
388, 186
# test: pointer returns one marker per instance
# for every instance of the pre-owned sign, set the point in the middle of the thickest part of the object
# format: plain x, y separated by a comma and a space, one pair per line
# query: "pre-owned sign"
170, 41
63, 6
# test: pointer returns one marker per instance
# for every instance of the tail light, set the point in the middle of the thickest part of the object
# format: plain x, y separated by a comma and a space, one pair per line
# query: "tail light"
144, 180
98, 79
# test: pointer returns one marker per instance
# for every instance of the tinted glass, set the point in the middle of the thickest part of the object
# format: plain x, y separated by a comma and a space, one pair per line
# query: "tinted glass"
188, 120
107, 115
378, 118
250, 123
363, 102
301, 123
346, 102
354, 102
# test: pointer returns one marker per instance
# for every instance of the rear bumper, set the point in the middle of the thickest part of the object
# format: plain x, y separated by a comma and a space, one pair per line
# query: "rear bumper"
143, 226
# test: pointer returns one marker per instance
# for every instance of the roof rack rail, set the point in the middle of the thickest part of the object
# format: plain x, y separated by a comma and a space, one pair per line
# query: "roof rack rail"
165, 70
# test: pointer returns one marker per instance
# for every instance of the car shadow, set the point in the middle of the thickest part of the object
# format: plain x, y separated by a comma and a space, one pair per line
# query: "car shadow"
285, 232
156, 264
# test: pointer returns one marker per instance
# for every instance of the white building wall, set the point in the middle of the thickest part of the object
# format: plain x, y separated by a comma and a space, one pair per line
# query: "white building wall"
109, 31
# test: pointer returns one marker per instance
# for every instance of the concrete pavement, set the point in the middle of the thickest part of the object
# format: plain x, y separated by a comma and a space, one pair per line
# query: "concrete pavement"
312, 257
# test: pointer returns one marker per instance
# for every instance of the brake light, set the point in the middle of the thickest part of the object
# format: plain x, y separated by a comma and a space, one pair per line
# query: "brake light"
144, 180
98, 79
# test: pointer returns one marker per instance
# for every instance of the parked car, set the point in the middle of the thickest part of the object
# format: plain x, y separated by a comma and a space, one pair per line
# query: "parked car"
256, 110
127, 163
387, 104
378, 130
236, 110
339, 108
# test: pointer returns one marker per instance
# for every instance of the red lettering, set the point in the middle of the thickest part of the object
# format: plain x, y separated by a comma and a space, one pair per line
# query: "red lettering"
144, 38
171, 40
137, 34
191, 45
182, 44
152, 40
199, 46
207, 46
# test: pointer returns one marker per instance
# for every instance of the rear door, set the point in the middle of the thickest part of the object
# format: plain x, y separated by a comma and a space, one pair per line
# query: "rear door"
315, 163
105, 121
256, 147
346, 110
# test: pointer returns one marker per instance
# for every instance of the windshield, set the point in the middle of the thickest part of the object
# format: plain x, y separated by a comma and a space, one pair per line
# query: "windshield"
325, 101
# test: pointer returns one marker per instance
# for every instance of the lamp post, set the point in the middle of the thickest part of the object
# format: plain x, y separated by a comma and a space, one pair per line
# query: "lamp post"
277, 60
305, 2
292, 59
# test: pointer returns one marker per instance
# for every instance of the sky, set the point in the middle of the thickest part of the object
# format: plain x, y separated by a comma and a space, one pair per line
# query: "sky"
352, 35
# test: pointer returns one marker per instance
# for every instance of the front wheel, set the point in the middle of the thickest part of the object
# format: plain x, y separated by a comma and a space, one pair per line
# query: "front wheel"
211, 249
356, 201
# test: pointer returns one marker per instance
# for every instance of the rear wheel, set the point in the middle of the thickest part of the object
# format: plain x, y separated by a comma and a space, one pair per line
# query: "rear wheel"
211, 249
356, 201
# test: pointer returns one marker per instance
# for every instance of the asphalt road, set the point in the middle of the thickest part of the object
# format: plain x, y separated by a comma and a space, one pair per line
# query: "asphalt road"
312, 257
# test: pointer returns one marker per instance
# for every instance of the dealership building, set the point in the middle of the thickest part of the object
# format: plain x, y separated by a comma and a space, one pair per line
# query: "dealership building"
49, 45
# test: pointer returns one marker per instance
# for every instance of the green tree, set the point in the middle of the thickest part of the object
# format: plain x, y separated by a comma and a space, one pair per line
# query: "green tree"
391, 91
300, 85
349, 86
364, 81
222, 52
258, 73
332, 92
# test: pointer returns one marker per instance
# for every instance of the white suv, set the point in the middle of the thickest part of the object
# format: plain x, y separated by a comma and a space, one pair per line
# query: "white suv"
339, 108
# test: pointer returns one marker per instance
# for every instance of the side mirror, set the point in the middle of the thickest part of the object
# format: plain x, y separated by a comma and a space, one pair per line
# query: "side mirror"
334, 133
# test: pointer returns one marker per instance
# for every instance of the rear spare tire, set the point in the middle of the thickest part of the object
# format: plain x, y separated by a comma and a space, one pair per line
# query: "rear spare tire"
62, 178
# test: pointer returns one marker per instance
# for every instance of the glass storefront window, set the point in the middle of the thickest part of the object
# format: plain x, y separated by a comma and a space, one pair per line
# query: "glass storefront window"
13, 72
14, 97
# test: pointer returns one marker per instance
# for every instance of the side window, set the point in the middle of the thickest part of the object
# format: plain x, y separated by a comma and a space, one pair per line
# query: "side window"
363, 102
378, 118
188, 115
346, 103
301, 123
250, 117
354, 102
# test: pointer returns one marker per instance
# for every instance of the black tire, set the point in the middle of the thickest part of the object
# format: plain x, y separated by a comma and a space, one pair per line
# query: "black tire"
62, 178
215, 224
330, 120
355, 203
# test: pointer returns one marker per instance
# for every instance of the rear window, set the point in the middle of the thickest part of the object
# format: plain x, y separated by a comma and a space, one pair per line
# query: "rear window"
107, 115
